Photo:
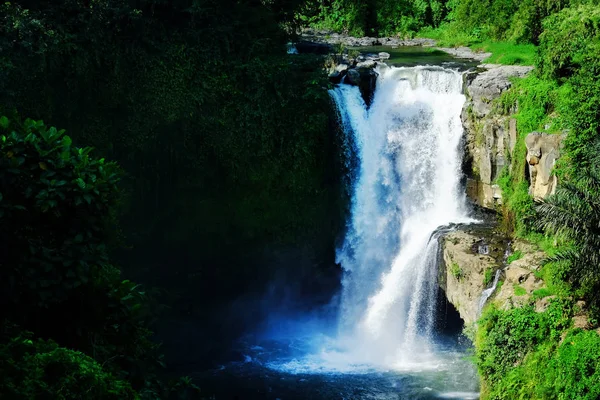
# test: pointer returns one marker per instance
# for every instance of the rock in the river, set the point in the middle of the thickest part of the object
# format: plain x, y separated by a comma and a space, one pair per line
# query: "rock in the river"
542, 152
384, 56
465, 53
365, 79
366, 64
353, 77
313, 47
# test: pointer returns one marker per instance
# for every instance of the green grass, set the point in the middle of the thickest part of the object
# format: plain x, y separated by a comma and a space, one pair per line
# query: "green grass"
457, 271
450, 35
520, 290
488, 276
541, 293
517, 255
507, 53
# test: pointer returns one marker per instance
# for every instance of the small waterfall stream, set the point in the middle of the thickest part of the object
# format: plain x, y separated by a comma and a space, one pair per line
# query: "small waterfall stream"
487, 293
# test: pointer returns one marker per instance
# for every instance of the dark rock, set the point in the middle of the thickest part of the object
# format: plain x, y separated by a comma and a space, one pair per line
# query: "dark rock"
305, 47
365, 79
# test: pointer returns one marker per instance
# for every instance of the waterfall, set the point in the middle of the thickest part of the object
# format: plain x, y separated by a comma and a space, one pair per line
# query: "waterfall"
406, 186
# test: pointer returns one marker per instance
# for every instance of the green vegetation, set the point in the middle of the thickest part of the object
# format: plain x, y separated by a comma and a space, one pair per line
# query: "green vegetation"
223, 142
517, 255
457, 271
520, 290
488, 277
541, 293
375, 17
574, 213
224, 138
507, 53
57, 212
520, 355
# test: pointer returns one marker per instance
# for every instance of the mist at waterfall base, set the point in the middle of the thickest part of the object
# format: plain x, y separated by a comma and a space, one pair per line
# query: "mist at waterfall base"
381, 338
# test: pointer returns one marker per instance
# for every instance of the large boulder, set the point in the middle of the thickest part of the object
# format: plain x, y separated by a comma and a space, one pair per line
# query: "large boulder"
365, 79
468, 253
490, 84
542, 152
313, 48
338, 72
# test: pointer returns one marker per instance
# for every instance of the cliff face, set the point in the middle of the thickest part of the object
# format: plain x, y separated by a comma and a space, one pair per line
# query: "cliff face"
490, 136
472, 255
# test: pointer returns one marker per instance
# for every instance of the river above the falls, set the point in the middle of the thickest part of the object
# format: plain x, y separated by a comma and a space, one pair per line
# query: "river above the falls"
413, 56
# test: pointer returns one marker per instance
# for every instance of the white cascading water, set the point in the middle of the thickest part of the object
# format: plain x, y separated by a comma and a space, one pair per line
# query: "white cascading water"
407, 185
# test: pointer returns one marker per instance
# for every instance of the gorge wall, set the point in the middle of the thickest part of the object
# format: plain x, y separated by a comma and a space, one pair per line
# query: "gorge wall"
472, 255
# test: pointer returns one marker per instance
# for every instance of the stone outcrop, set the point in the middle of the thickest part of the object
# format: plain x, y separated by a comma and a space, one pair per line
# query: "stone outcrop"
467, 254
490, 136
471, 254
359, 71
489, 85
542, 152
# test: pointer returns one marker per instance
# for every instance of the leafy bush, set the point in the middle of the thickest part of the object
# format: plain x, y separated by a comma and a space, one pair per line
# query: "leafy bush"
375, 17
569, 370
573, 213
457, 271
512, 20
569, 40
505, 337
488, 277
37, 369
58, 208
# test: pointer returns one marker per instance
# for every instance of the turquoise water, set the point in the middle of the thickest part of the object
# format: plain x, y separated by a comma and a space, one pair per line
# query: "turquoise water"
411, 56
291, 369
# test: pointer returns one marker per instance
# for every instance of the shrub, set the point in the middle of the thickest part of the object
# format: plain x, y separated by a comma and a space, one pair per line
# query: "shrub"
569, 40
505, 337
457, 271
37, 369
57, 210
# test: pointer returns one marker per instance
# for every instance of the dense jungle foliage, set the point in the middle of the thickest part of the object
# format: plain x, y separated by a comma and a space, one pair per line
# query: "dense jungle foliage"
226, 171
